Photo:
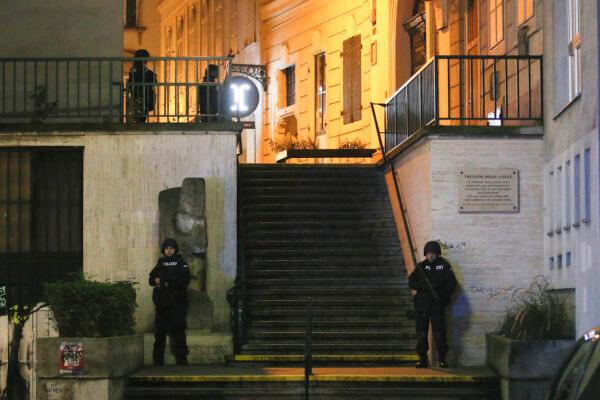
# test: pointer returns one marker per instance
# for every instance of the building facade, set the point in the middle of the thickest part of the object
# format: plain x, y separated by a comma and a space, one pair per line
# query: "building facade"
571, 192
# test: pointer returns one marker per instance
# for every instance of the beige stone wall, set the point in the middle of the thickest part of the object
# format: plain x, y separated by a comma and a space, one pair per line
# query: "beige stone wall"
413, 171
123, 174
492, 253
66, 28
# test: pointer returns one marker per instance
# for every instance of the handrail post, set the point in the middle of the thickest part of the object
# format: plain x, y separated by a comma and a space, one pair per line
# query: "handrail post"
308, 350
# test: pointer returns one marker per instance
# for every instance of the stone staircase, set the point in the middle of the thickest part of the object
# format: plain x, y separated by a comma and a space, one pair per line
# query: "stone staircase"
328, 233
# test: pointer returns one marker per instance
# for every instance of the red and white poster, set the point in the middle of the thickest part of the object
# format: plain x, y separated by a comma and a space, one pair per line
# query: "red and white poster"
71, 358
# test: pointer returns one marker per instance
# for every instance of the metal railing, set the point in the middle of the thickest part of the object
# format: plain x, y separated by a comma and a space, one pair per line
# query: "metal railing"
308, 349
115, 90
466, 90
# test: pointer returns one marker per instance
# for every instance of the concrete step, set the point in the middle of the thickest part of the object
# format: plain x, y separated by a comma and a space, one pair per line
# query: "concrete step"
337, 225
366, 183
325, 273
397, 324
328, 348
258, 336
356, 244
320, 304
359, 208
387, 292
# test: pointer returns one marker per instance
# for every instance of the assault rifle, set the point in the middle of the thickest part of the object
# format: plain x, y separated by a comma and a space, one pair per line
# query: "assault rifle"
428, 283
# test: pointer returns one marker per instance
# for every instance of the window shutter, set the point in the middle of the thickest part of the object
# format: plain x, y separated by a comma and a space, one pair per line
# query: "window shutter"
356, 80
352, 79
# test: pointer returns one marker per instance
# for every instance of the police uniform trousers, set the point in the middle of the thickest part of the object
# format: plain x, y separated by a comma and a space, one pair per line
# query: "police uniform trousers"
427, 309
170, 321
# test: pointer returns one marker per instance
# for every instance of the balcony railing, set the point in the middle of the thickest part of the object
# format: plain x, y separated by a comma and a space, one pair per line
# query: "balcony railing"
466, 90
113, 90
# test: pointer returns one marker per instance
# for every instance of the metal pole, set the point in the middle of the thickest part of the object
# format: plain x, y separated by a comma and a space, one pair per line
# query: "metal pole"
308, 350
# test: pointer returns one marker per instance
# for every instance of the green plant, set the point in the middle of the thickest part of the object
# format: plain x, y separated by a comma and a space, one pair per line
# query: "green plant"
537, 313
87, 308
352, 144
291, 142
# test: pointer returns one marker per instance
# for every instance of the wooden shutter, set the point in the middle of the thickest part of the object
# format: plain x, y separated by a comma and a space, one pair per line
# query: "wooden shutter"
352, 79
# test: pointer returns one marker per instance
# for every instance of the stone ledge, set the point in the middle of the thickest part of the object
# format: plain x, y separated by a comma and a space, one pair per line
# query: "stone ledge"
466, 132
121, 128
205, 347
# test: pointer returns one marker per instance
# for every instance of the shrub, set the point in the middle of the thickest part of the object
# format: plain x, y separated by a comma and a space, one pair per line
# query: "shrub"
290, 142
537, 314
86, 308
352, 144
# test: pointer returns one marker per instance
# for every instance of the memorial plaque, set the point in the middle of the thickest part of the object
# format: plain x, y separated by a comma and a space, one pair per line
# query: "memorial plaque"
488, 190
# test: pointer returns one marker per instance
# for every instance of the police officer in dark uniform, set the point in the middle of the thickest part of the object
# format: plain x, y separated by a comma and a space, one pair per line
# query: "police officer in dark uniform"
434, 282
170, 278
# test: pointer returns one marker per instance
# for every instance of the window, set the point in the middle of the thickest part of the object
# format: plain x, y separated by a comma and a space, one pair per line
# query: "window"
320, 95
234, 27
290, 85
41, 217
250, 23
567, 53
559, 261
574, 50
587, 213
472, 25
180, 37
568, 259
192, 29
131, 14
568, 195
559, 198
204, 31
524, 10
551, 263
219, 29
496, 8
577, 188
352, 79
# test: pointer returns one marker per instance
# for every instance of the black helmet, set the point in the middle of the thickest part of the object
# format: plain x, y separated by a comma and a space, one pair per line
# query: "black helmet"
169, 242
432, 247
141, 53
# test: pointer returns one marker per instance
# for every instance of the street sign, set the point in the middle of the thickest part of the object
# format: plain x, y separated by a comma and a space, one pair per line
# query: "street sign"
242, 96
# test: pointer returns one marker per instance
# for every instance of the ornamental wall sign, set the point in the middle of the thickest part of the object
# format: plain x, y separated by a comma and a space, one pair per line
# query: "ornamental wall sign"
256, 71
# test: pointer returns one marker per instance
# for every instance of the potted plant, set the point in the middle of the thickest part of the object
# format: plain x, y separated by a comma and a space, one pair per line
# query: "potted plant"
97, 348
536, 334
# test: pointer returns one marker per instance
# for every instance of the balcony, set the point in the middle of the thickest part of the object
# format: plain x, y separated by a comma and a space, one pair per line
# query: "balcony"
114, 90
466, 91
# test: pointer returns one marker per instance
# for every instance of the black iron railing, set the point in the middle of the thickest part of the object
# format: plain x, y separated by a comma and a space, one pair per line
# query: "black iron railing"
308, 349
466, 90
154, 89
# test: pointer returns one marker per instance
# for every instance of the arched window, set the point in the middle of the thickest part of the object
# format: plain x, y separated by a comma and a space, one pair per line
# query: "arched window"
204, 29
180, 37
415, 27
192, 32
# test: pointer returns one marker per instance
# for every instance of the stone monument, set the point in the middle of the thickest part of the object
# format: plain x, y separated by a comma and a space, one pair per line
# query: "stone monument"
182, 217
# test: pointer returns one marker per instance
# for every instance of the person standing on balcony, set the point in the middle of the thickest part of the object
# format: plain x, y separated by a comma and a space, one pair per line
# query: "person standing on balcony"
170, 278
208, 95
434, 281
140, 88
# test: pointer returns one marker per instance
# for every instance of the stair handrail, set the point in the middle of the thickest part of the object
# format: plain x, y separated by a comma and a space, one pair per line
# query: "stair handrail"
387, 162
236, 296
308, 349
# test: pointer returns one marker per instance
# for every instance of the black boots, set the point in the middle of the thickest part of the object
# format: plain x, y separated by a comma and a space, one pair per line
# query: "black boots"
423, 363
443, 362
